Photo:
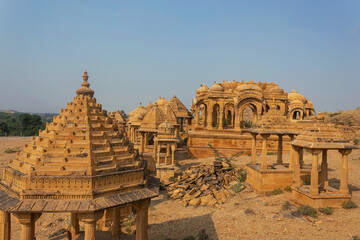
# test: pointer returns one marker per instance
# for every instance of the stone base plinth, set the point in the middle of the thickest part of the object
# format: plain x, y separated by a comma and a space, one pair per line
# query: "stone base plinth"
165, 171
333, 199
270, 179
227, 142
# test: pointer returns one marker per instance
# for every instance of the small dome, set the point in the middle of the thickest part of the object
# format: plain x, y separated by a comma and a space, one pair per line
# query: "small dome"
293, 95
276, 90
217, 87
248, 86
320, 117
139, 110
202, 89
166, 126
309, 104
166, 130
161, 102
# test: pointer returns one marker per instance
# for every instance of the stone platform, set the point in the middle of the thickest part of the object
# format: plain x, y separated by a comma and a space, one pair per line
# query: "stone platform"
279, 176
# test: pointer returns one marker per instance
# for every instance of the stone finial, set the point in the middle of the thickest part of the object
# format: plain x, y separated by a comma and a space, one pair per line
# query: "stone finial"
85, 90
320, 117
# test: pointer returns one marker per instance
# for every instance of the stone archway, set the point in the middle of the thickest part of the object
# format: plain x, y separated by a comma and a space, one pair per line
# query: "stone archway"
229, 116
297, 114
216, 121
256, 107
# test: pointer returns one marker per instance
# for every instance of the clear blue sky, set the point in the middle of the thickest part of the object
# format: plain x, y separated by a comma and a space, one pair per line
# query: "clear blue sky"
139, 50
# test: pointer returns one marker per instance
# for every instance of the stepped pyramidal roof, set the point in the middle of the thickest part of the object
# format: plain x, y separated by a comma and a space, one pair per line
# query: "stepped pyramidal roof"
79, 155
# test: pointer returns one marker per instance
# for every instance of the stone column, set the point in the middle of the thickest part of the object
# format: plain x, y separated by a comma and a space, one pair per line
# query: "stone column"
291, 154
197, 116
301, 157
324, 169
89, 220
145, 140
280, 150
142, 208
27, 222
74, 224
173, 154
5, 225
177, 131
296, 157
158, 152
155, 150
264, 151
116, 225
167, 155
221, 116
209, 117
253, 148
344, 188
142, 147
237, 119
314, 185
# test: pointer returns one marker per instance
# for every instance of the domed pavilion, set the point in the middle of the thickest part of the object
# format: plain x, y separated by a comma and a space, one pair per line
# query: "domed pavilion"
80, 165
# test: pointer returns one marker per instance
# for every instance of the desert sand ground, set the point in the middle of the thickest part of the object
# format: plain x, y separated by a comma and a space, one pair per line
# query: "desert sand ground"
170, 220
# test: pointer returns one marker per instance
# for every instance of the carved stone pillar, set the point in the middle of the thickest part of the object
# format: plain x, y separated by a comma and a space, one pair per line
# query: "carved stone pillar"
142, 143
27, 222
291, 154
142, 209
197, 116
324, 169
116, 225
296, 163
253, 148
155, 150
173, 147
158, 152
221, 116
74, 224
89, 220
264, 151
209, 117
5, 225
280, 150
344, 181
314, 184
237, 120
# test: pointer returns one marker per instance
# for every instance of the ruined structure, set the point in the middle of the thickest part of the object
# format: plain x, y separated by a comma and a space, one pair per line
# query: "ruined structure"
119, 121
318, 140
79, 164
219, 113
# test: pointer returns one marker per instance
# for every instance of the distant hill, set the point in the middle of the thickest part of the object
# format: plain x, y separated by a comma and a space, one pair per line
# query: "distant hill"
347, 121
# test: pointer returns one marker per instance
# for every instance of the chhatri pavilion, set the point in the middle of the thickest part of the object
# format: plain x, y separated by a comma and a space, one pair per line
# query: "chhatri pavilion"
219, 114
79, 165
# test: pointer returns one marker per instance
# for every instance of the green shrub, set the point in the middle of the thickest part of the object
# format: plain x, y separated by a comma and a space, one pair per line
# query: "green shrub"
241, 175
348, 205
172, 179
288, 189
249, 211
356, 237
189, 238
326, 210
270, 153
9, 150
276, 191
202, 235
307, 210
286, 205
356, 141
162, 185
237, 187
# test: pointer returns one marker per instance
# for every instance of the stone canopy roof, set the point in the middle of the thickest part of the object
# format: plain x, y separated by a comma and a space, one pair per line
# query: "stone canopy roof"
178, 107
80, 155
155, 117
322, 136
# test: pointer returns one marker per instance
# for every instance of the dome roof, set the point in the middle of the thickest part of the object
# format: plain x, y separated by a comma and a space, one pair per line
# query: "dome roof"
202, 89
139, 110
217, 87
248, 86
293, 95
309, 104
161, 102
276, 90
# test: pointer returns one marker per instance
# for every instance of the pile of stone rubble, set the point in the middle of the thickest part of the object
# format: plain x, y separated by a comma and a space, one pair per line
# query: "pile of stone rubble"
206, 184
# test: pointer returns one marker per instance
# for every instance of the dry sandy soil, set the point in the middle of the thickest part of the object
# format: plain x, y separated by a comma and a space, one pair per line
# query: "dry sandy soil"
170, 220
